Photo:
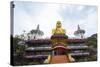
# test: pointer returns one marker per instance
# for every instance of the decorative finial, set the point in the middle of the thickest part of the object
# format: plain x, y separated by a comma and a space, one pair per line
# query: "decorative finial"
38, 27
78, 27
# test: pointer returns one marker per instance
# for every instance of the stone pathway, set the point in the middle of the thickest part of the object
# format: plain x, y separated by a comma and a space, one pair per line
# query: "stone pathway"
59, 59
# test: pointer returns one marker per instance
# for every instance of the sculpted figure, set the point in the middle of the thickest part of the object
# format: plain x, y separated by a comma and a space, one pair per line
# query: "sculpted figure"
58, 29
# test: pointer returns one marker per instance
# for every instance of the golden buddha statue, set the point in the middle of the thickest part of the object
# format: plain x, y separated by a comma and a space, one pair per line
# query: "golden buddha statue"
58, 29
59, 46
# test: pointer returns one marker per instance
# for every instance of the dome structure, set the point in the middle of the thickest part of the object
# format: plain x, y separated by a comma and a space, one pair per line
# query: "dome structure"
79, 32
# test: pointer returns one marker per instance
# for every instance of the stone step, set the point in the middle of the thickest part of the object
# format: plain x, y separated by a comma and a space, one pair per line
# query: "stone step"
59, 59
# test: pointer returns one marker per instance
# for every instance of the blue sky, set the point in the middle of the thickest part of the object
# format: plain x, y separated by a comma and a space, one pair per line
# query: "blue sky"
27, 15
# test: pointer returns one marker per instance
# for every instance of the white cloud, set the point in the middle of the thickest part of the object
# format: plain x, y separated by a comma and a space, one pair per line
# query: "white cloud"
49, 14
80, 8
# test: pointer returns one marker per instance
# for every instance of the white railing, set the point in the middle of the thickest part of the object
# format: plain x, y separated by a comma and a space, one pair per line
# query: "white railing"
48, 48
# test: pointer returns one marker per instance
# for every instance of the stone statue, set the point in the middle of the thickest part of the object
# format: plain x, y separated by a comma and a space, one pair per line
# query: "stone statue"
58, 29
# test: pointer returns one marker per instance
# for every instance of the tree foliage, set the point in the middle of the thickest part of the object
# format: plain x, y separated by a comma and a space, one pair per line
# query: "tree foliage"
19, 47
92, 41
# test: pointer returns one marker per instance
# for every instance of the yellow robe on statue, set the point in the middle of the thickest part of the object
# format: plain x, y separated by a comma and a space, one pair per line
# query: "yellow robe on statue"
58, 31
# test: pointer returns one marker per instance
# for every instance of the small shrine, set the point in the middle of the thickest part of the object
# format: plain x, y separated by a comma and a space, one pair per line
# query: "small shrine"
59, 46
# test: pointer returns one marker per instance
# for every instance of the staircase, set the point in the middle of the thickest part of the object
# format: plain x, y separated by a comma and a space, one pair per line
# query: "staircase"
59, 59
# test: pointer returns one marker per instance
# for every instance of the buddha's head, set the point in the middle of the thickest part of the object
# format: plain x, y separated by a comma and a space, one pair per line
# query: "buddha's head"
58, 24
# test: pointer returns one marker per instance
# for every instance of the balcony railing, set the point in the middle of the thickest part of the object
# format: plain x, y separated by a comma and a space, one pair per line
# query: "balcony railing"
72, 54
48, 41
49, 48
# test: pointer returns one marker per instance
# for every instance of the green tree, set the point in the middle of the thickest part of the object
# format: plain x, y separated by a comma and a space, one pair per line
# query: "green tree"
18, 50
92, 43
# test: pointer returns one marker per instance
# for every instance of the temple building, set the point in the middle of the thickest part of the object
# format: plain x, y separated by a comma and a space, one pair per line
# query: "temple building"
58, 49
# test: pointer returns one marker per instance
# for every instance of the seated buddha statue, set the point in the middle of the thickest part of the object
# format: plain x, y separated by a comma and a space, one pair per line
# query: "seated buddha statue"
58, 29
